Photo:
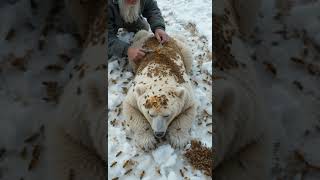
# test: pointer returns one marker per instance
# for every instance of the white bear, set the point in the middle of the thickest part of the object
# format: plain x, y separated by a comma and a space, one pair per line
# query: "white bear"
76, 137
242, 132
160, 101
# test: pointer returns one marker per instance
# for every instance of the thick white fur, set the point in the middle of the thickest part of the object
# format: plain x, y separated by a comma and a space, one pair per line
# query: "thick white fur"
76, 136
242, 133
184, 107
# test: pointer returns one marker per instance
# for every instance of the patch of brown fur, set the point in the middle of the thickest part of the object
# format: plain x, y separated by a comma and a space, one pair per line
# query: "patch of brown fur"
156, 102
162, 56
200, 157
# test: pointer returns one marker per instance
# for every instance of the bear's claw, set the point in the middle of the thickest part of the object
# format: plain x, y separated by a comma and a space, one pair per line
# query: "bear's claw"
146, 141
179, 139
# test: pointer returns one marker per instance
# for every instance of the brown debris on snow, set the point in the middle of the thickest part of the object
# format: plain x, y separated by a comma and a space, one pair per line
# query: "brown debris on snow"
200, 157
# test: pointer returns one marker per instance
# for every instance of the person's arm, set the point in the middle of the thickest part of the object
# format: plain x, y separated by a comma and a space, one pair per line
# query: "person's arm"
153, 14
116, 47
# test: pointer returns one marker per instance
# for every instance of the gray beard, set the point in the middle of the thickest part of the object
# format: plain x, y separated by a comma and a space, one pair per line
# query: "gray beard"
129, 13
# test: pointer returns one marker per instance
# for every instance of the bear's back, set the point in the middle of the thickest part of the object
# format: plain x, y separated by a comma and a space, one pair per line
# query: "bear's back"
162, 62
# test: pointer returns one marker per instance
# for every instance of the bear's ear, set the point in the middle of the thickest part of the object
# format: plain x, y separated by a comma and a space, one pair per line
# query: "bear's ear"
140, 90
180, 92
224, 100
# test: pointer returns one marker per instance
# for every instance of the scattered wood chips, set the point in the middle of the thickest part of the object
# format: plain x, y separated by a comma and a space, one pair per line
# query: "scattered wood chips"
200, 157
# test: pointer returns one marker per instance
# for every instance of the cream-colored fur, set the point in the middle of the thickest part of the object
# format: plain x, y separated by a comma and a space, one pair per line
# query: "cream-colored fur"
181, 106
76, 137
242, 133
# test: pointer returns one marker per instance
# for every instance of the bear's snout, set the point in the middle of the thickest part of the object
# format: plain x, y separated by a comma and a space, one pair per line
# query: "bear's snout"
159, 134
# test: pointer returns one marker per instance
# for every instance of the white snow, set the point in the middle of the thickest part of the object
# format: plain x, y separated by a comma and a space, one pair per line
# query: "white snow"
294, 112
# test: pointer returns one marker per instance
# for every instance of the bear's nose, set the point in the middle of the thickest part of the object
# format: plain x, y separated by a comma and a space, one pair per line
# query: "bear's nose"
159, 134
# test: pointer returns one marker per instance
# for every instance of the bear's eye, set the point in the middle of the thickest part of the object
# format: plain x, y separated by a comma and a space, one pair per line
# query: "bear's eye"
166, 116
151, 115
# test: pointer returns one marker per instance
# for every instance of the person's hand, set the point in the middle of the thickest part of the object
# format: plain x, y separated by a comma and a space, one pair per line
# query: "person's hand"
161, 35
135, 54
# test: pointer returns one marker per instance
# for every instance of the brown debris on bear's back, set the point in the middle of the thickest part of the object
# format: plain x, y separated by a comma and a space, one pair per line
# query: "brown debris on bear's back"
162, 56
200, 157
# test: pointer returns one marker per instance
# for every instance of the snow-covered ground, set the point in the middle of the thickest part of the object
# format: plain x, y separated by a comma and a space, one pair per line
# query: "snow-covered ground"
36, 47
287, 58
191, 20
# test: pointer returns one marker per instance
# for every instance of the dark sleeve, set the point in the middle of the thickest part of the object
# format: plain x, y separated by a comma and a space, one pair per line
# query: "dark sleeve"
152, 12
116, 47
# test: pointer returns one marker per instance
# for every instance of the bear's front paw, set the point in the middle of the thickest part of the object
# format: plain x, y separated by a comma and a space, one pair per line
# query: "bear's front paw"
179, 139
146, 141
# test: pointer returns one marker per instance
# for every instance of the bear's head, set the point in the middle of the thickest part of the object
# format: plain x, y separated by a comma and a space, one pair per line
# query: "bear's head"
160, 108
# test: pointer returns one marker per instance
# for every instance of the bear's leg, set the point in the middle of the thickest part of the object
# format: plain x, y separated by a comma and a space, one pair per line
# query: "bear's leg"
178, 130
142, 131
68, 159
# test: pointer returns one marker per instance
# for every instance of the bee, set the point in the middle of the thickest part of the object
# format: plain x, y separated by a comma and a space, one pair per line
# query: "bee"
11, 34
297, 60
298, 84
181, 173
158, 170
142, 174
118, 153
113, 164
65, 58
54, 67
32, 138
81, 73
126, 163
270, 67
35, 157
127, 172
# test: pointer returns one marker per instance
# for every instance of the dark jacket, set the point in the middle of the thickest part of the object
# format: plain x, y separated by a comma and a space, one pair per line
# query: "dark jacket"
148, 9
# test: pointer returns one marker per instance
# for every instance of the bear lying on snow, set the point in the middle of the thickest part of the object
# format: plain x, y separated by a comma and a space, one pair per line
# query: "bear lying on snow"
242, 133
76, 137
160, 101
